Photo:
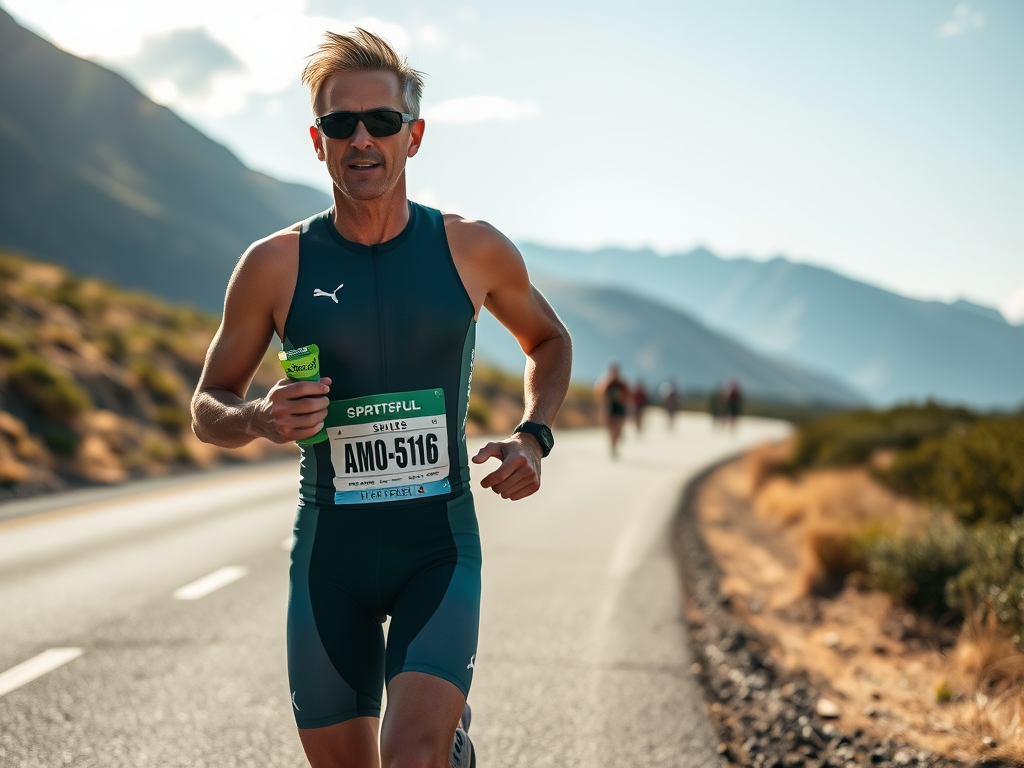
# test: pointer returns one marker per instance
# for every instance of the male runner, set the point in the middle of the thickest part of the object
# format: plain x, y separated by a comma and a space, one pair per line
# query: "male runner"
390, 292
613, 392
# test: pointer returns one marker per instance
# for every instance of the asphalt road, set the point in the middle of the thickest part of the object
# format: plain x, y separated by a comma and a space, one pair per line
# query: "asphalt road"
146, 628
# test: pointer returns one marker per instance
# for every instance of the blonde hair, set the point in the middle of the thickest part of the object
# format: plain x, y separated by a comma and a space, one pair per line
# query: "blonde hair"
360, 50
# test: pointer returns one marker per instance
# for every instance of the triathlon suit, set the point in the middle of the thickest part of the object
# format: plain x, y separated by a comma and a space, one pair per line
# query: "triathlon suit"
615, 395
386, 524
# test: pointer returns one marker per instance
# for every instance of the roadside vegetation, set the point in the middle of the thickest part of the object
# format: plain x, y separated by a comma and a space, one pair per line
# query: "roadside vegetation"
923, 504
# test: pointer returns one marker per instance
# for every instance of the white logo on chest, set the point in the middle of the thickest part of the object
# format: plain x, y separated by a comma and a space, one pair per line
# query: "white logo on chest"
332, 296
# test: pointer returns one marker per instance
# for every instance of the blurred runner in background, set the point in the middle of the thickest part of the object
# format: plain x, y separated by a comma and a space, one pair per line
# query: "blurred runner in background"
670, 400
613, 391
732, 398
640, 401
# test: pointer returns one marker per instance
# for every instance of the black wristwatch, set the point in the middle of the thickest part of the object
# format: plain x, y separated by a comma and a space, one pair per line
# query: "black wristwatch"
541, 431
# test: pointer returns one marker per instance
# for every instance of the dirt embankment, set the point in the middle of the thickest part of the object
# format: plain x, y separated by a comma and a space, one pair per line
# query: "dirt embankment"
795, 678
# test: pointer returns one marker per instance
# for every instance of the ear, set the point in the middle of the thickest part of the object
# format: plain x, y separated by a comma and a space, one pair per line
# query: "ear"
318, 143
416, 129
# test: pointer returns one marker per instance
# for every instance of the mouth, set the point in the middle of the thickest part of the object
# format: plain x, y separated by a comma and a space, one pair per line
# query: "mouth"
364, 165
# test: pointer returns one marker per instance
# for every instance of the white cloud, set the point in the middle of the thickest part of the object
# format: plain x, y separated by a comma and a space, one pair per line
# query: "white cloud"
478, 109
428, 197
270, 39
964, 19
1012, 306
431, 37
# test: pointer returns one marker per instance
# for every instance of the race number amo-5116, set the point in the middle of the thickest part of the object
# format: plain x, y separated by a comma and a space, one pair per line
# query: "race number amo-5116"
389, 447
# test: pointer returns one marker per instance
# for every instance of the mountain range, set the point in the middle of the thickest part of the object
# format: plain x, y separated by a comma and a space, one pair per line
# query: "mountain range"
887, 346
653, 343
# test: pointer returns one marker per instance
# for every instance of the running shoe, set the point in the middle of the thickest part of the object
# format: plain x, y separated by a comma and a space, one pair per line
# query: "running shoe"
463, 755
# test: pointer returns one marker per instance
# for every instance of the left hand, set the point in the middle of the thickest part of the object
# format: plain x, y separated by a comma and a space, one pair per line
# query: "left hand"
519, 473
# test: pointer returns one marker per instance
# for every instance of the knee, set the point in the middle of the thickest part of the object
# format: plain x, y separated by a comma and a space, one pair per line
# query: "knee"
413, 757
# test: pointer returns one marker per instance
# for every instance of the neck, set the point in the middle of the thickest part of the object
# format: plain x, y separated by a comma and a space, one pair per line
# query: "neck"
371, 222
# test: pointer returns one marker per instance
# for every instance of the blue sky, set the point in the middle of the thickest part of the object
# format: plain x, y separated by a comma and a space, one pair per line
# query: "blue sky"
880, 139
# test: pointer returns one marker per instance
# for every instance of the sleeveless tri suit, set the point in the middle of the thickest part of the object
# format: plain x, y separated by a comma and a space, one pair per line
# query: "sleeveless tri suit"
386, 524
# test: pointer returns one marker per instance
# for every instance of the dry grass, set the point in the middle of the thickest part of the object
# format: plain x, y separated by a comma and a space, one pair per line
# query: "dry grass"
987, 674
834, 512
766, 461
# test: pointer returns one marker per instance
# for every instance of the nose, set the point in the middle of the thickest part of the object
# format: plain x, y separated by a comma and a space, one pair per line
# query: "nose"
361, 137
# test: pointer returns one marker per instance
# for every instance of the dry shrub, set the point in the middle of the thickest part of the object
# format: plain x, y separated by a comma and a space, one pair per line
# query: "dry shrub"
781, 502
985, 657
832, 555
990, 670
766, 461
843, 496
834, 550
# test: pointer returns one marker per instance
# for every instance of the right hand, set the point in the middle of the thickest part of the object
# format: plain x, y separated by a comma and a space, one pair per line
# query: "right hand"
292, 410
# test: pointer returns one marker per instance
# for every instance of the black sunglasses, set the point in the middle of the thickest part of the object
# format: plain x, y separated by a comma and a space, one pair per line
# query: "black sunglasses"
378, 122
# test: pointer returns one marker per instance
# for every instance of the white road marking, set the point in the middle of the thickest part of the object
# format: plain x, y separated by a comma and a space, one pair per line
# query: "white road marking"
37, 666
200, 588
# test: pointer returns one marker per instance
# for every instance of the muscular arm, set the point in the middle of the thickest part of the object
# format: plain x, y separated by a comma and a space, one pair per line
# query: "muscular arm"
496, 278
259, 288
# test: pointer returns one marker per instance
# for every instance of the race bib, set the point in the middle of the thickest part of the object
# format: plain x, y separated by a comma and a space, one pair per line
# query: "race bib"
391, 447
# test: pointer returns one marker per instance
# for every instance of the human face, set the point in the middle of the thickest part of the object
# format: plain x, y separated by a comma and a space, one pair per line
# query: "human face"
365, 167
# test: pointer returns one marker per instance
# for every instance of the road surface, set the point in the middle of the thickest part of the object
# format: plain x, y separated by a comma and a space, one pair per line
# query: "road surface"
147, 628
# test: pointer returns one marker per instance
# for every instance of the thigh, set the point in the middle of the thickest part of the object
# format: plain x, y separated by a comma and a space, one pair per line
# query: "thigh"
423, 711
435, 609
435, 624
335, 645
351, 744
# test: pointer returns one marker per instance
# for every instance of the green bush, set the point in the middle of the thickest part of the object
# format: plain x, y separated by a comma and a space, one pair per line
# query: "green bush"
171, 417
162, 387
479, 411
62, 441
916, 569
10, 344
50, 391
993, 580
852, 437
976, 471
113, 344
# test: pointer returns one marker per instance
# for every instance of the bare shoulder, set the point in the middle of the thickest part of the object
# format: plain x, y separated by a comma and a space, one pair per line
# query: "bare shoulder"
272, 256
476, 239
486, 260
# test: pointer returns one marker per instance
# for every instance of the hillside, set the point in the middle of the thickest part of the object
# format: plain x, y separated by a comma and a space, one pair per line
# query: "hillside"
100, 179
656, 342
887, 346
95, 384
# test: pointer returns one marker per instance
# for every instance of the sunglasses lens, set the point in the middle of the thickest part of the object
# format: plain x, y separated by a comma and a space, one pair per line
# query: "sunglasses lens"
382, 123
338, 125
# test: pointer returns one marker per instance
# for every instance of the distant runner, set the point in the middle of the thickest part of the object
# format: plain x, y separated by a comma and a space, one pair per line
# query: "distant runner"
732, 398
670, 400
613, 391
376, 301
640, 402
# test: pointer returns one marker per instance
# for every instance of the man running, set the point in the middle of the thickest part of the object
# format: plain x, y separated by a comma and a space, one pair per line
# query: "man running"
613, 392
389, 291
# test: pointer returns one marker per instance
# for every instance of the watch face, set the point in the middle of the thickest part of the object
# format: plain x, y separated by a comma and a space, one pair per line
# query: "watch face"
539, 431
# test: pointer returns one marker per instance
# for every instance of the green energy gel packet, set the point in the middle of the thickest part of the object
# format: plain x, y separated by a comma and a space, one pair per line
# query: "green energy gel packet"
303, 364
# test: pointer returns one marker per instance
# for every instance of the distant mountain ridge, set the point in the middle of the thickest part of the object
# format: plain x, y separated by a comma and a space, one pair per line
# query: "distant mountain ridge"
888, 346
102, 180
655, 342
